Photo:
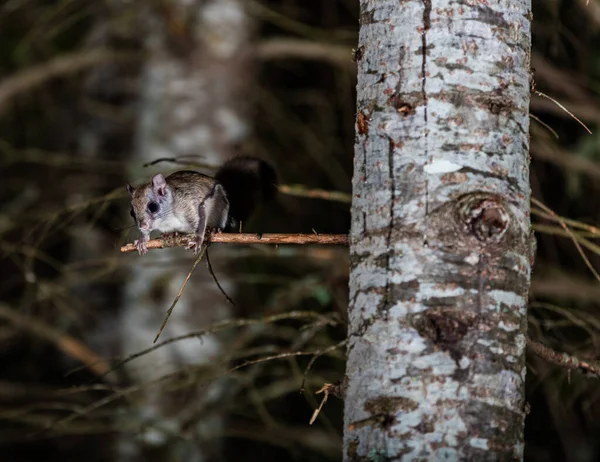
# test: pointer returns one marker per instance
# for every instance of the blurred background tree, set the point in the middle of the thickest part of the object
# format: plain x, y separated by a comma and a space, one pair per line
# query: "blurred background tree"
91, 91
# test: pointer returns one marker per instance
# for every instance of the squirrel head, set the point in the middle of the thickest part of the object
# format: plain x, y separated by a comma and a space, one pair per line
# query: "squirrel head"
151, 203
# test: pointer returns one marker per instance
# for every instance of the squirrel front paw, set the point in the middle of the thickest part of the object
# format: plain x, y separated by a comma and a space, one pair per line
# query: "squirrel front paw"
141, 247
140, 244
196, 244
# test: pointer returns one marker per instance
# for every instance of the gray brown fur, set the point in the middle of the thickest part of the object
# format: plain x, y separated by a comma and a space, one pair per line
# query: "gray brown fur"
190, 202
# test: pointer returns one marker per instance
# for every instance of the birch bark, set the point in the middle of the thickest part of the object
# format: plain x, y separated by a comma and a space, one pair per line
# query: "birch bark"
440, 238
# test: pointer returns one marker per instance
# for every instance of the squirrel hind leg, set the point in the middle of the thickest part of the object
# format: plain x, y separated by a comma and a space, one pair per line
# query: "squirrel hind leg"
219, 208
196, 244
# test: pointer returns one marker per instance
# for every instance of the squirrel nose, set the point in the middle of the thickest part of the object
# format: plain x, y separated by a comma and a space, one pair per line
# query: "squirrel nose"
143, 224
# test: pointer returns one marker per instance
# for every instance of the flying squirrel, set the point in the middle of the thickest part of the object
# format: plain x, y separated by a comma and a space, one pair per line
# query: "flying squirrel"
190, 202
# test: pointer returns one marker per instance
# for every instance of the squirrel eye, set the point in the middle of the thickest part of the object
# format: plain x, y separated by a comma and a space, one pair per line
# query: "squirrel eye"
132, 214
153, 207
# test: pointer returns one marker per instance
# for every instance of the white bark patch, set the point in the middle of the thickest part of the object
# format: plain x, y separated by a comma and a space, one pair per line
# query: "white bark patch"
472, 259
439, 363
498, 389
439, 166
508, 327
366, 304
503, 297
480, 443
439, 291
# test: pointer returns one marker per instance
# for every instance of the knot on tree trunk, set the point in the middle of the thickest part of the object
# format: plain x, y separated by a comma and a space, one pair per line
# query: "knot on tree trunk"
484, 217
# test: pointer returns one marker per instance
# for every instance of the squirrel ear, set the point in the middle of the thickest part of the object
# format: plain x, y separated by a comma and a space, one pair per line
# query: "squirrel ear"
159, 184
130, 189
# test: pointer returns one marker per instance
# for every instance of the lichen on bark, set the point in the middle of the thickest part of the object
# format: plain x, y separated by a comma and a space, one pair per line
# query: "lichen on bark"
440, 232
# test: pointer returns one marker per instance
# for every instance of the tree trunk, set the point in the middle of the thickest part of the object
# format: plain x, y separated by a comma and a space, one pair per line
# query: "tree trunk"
440, 239
193, 102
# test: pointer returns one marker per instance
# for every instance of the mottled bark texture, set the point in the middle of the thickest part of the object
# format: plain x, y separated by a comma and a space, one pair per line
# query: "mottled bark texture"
440, 265
193, 102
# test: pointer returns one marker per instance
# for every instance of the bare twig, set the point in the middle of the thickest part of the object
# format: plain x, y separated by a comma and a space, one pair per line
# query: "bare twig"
570, 233
315, 357
35, 76
187, 278
545, 125
233, 238
287, 23
303, 191
214, 276
118, 393
180, 160
67, 344
539, 93
325, 389
563, 359
583, 237
217, 327
284, 48
590, 229
288, 354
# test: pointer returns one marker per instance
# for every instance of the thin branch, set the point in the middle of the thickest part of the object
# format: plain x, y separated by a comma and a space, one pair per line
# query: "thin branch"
286, 23
119, 393
64, 342
64, 65
539, 93
303, 191
563, 359
214, 276
180, 160
583, 237
590, 229
234, 238
545, 125
133, 388
288, 354
217, 327
187, 278
570, 233
326, 389
315, 357
284, 48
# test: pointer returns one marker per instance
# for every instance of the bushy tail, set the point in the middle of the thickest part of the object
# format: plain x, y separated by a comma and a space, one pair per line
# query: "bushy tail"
247, 182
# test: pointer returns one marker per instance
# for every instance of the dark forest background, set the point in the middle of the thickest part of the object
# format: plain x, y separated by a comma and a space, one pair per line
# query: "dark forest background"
71, 73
